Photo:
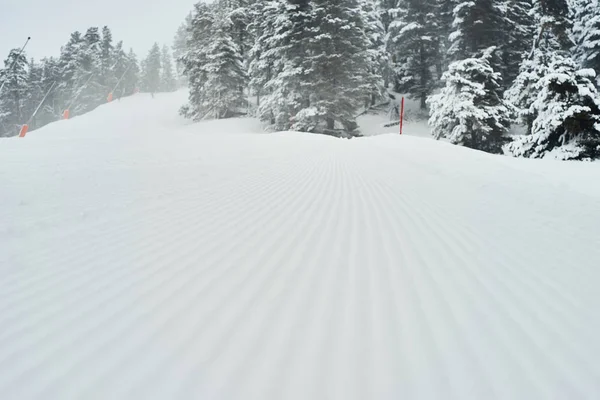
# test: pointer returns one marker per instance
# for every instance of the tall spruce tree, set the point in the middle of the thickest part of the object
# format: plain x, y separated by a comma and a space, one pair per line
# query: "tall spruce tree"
107, 60
151, 70
567, 109
34, 93
336, 67
470, 110
195, 59
131, 80
586, 33
477, 25
167, 78
519, 28
379, 69
286, 91
180, 45
551, 40
14, 94
412, 40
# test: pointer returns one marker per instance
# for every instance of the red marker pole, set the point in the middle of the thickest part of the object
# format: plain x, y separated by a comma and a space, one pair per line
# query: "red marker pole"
401, 115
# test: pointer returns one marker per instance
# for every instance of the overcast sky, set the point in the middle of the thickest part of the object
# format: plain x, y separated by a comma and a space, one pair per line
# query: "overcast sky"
139, 23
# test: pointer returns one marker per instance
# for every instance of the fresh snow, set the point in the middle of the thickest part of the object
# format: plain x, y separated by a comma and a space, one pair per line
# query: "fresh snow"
146, 257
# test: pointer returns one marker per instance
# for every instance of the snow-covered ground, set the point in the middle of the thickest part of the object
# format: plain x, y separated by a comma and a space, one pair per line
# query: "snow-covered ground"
145, 257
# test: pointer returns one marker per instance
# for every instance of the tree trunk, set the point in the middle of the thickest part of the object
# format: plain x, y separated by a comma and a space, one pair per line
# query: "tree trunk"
330, 123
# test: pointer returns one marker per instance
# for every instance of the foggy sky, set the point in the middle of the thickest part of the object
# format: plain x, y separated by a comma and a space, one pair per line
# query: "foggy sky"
139, 23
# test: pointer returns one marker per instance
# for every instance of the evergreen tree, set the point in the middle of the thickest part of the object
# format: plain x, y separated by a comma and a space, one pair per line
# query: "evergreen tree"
525, 88
92, 91
470, 110
53, 106
14, 94
70, 69
131, 80
336, 67
413, 43
287, 90
264, 56
551, 41
586, 32
553, 26
34, 93
223, 74
238, 13
107, 76
567, 109
168, 82
477, 25
180, 44
119, 68
151, 70
196, 58
378, 70
519, 29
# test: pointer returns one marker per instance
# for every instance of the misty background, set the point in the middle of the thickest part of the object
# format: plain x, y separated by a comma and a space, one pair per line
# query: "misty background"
139, 23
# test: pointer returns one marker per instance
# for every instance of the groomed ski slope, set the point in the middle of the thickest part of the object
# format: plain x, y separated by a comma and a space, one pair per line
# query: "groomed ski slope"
145, 257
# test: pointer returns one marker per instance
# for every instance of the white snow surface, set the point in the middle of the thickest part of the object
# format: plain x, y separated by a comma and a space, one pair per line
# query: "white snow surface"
145, 257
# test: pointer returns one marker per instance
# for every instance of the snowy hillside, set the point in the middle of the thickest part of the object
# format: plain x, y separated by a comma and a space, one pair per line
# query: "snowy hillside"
145, 257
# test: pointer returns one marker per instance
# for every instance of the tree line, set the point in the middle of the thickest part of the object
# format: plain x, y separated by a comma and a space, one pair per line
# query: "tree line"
90, 67
477, 67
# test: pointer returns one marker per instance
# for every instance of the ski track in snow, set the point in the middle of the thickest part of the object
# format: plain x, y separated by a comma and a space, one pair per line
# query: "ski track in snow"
142, 256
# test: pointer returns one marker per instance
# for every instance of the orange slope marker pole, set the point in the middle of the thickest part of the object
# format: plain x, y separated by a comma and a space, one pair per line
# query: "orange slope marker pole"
24, 130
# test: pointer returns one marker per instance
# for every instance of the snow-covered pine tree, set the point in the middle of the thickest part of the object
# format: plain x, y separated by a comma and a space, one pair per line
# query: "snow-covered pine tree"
262, 58
195, 58
53, 106
337, 64
107, 76
379, 69
70, 69
412, 41
519, 28
287, 90
445, 18
225, 75
151, 70
553, 26
525, 88
180, 46
477, 25
119, 67
131, 80
94, 92
34, 93
387, 12
586, 33
567, 109
239, 16
14, 93
470, 110
167, 78
551, 40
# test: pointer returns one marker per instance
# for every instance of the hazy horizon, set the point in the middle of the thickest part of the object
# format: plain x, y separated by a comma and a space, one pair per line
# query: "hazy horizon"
138, 23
